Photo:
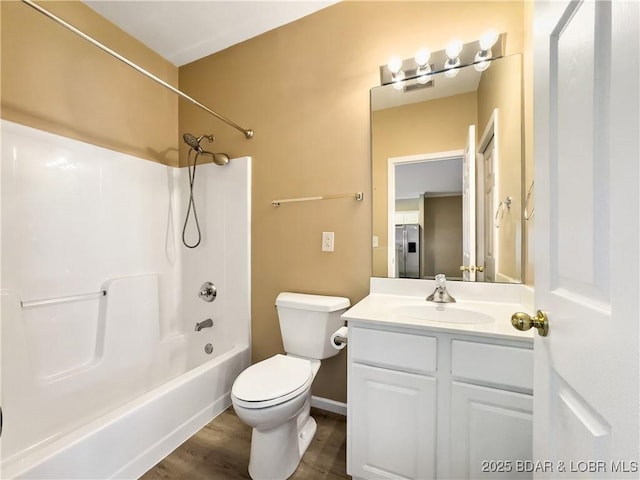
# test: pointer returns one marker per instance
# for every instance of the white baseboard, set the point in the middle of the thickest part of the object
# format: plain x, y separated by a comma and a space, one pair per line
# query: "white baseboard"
329, 405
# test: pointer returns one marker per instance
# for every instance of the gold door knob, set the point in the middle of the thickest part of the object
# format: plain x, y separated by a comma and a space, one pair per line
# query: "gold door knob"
522, 321
471, 268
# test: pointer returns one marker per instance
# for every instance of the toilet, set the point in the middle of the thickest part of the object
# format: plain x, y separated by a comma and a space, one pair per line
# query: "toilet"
274, 396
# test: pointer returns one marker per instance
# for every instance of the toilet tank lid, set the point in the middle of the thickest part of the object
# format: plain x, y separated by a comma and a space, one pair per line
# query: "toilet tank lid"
317, 303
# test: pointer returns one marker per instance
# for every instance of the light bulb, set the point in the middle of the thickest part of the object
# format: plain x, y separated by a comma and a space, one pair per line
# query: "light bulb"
488, 39
395, 64
398, 85
453, 49
422, 56
423, 79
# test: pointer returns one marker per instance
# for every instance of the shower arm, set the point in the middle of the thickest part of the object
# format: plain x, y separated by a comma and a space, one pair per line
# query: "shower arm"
247, 133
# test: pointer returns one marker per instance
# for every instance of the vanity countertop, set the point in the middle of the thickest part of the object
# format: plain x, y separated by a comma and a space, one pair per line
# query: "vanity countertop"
399, 311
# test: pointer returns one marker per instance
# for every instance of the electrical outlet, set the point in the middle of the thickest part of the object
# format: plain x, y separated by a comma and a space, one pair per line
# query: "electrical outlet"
375, 241
327, 241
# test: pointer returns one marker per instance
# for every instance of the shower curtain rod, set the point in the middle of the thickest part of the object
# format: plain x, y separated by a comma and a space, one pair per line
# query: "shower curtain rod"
247, 133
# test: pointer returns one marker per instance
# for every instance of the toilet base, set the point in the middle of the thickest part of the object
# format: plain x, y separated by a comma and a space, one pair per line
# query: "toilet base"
276, 453
306, 435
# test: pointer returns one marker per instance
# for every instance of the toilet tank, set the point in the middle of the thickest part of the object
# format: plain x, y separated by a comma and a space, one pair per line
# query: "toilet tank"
307, 322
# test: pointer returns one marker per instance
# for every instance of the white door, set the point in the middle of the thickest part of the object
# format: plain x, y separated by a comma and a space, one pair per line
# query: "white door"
469, 207
586, 394
490, 208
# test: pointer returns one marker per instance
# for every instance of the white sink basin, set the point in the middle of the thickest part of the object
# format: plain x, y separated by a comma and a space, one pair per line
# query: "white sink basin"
442, 313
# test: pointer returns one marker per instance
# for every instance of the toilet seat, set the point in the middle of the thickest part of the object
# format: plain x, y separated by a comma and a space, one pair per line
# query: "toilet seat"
272, 381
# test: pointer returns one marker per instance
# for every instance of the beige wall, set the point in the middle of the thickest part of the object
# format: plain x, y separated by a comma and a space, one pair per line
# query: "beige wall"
438, 125
443, 236
304, 88
55, 81
501, 88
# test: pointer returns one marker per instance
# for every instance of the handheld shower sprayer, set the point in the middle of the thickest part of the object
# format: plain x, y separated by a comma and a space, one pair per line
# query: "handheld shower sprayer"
218, 159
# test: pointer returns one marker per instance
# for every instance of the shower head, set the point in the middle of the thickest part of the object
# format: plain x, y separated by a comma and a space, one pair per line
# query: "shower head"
194, 142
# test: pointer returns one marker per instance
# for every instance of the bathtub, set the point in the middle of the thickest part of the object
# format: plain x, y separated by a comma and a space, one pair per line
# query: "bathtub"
102, 371
131, 439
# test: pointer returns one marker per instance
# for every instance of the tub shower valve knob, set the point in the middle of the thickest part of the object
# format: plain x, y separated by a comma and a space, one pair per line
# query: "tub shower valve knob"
208, 292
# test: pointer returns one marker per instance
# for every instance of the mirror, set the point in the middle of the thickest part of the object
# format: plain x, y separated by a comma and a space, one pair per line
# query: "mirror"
447, 175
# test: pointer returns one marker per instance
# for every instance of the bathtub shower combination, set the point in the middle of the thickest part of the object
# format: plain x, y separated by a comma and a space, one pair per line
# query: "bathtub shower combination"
110, 357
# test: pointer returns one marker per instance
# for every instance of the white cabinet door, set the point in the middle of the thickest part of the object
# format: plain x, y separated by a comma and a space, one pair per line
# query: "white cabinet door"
408, 216
393, 429
491, 433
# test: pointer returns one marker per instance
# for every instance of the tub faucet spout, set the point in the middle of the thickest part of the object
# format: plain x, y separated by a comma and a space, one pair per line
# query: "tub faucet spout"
208, 323
440, 294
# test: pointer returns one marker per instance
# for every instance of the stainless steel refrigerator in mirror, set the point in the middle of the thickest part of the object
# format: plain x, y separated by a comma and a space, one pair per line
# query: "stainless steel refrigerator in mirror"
408, 251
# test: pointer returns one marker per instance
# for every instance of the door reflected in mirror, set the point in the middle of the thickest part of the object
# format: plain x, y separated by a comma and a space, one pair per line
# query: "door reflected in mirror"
447, 176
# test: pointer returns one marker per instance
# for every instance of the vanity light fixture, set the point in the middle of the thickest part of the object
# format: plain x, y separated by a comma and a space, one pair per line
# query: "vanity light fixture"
453, 59
453, 54
487, 40
420, 68
397, 75
424, 68
394, 65
482, 58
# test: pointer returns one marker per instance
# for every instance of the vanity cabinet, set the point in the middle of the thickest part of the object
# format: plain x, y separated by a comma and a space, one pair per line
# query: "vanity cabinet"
392, 404
437, 404
490, 432
385, 403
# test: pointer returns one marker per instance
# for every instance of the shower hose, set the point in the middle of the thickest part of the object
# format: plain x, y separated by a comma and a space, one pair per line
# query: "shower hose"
192, 205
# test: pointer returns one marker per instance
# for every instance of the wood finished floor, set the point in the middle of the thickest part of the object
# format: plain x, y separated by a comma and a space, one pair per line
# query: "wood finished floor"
220, 451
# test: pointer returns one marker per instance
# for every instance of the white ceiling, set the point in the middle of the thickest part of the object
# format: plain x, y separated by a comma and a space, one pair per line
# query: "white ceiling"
429, 178
182, 31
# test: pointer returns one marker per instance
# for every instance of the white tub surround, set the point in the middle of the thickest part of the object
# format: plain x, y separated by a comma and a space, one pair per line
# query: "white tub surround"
100, 300
431, 398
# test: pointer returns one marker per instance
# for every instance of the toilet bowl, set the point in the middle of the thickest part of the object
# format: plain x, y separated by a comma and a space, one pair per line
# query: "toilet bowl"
274, 396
